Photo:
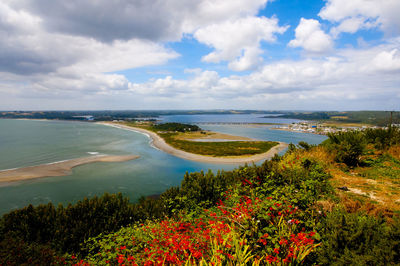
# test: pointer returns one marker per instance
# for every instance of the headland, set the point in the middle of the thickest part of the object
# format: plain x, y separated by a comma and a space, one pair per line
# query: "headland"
159, 143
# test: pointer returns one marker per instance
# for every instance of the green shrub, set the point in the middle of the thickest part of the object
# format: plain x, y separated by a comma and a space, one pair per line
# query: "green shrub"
176, 127
349, 146
358, 239
383, 138
15, 251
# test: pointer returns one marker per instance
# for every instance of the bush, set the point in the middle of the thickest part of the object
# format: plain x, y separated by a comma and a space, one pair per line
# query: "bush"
358, 239
349, 146
383, 138
176, 127
66, 227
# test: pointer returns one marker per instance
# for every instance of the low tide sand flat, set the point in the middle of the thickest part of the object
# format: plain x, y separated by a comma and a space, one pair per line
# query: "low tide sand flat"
58, 168
159, 143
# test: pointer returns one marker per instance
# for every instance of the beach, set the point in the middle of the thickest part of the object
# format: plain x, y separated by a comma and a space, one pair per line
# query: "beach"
61, 168
159, 143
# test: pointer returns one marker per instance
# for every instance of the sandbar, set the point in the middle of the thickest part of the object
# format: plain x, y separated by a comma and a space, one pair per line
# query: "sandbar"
159, 143
61, 168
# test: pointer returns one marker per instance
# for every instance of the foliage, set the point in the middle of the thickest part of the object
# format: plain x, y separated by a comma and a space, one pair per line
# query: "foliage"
236, 230
173, 127
15, 251
305, 145
383, 138
226, 148
358, 239
384, 166
66, 227
198, 191
349, 146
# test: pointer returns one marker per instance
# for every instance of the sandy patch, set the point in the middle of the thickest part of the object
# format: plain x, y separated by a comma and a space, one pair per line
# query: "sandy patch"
61, 168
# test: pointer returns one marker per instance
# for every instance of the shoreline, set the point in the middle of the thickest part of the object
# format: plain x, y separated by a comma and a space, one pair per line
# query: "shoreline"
160, 144
60, 168
297, 131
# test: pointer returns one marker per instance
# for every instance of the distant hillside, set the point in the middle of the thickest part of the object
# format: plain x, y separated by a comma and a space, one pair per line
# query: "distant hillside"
116, 115
378, 118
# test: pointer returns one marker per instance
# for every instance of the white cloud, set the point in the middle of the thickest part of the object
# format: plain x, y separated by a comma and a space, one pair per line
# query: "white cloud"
155, 20
64, 51
358, 14
349, 25
209, 12
387, 60
357, 77
310, 37
238, 41
27, 48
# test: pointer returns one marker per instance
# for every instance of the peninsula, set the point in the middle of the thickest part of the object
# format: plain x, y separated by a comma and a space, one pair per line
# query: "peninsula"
269, 149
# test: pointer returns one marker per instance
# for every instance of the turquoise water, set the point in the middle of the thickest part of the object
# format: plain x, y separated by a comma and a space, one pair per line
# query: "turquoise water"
27, 142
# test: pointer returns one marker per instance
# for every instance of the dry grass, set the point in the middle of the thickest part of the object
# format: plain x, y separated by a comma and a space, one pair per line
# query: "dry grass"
395, 152
321, 154
343, 124
372, 189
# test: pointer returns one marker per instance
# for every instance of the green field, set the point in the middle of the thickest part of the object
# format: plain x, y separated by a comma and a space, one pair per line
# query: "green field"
228, 148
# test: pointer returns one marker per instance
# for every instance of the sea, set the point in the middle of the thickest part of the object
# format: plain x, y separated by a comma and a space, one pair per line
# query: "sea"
34, 142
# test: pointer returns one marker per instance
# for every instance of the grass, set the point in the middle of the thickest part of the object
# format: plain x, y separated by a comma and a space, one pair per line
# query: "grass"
374, 185
228, 148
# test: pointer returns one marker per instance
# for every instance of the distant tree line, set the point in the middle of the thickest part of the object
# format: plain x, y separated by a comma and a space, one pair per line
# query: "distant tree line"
176, 127
379, 118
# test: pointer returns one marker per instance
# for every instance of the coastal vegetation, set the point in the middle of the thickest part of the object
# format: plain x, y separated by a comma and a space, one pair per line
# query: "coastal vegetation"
312, 205
174, 127
180, 136
220, 148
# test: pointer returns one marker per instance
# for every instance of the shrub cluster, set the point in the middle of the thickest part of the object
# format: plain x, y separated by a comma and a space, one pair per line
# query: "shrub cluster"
175, 127
349, 146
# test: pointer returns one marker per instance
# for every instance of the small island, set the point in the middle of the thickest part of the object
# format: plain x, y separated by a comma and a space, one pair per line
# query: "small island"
192, 143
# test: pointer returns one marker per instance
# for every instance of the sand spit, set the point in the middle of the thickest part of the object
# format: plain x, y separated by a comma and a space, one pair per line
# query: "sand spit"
61, 168
159, 143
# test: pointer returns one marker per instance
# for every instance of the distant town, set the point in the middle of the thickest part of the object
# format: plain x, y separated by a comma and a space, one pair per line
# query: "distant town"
323, 128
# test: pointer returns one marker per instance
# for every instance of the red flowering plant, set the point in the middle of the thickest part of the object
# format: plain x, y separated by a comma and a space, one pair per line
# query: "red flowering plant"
171, 242
254, 221
238, 230
272, 227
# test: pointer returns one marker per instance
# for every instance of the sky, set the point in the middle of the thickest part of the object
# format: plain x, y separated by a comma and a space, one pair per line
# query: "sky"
200, 54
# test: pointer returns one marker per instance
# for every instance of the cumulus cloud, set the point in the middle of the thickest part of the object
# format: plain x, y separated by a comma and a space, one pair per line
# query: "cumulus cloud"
67, 51
349, 75
26, 48
387, 60
72, 37
352, 77
238, 41
310, 37
155, 20
354, 15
